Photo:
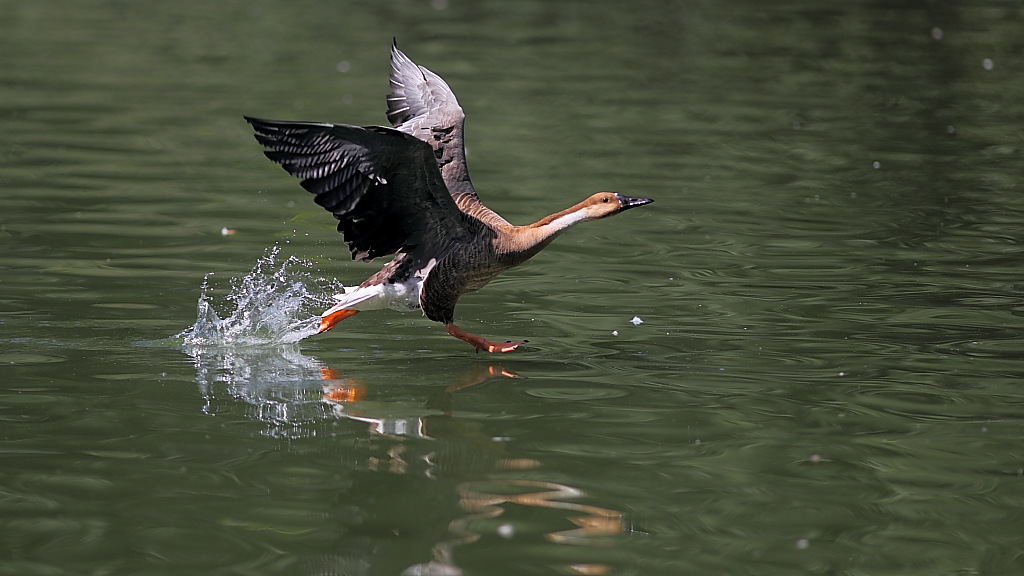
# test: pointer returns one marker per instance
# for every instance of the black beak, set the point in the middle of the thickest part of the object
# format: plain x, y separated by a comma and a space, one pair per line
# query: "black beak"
628, 202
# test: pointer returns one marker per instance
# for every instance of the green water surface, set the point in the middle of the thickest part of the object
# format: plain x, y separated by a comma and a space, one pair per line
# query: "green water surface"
824, 373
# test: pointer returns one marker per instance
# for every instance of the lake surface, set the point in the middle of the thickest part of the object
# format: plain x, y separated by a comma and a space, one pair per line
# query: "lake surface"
824, 373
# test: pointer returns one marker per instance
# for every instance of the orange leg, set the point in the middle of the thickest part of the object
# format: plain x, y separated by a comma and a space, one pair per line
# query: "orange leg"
328, 322
480, 343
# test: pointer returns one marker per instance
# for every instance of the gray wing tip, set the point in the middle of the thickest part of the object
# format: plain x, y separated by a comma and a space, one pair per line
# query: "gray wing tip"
418, 94
399, 60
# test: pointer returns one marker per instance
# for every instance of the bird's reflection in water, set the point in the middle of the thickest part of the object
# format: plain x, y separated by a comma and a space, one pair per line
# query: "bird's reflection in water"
278, 386
486, 501
469, 491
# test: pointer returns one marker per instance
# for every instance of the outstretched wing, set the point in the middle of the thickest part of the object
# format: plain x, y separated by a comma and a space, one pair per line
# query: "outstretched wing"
422, 104
382, 185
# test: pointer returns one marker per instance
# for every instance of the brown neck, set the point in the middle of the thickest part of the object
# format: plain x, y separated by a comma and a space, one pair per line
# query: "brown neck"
533, 237
548, 220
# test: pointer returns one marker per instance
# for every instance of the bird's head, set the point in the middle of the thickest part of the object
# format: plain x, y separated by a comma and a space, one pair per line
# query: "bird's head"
604, 204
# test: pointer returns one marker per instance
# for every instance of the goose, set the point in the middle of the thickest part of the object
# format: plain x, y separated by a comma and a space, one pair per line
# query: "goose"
405, 191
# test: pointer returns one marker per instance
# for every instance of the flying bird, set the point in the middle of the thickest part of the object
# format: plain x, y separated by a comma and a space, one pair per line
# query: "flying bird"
405, 191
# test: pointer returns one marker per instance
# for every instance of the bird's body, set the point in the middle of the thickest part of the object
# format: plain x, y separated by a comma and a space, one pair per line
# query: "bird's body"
406, 191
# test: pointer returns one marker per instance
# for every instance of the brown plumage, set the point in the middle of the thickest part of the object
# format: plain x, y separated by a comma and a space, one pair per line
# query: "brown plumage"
406, 191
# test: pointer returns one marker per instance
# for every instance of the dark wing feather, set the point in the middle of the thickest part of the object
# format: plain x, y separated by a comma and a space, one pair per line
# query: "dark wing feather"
383, 186
422, 104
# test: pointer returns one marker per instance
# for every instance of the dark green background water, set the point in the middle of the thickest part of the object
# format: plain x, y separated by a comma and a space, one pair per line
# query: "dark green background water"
827, 379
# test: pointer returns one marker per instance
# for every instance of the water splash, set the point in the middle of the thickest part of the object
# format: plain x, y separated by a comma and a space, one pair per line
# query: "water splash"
275, 303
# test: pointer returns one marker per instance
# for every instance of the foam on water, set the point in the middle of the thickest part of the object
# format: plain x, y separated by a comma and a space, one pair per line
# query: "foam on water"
275, 303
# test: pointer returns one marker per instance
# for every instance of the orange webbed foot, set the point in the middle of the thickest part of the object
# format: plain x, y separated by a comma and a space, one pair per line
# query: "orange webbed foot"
500, 347
328, 321
481, 343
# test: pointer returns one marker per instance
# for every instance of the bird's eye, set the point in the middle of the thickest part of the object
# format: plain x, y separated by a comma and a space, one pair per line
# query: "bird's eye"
605, 199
